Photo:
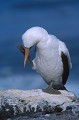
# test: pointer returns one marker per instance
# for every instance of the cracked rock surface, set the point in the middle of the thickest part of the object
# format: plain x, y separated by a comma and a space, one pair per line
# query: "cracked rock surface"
36, 104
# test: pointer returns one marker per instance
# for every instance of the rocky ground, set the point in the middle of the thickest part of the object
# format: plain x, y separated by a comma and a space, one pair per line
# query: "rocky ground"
66, 115
37, 105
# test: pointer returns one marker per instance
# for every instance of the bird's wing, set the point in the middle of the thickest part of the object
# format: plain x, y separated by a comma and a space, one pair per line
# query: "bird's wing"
64, 49
67, 65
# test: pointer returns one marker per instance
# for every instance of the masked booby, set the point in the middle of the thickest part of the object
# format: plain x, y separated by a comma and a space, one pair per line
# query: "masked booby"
52, 60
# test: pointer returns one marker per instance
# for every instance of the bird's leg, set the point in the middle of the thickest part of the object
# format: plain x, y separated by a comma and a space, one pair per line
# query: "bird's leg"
22, 50
51, 90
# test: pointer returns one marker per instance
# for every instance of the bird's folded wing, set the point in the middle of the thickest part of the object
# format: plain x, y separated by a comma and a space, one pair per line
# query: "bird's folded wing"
63, 48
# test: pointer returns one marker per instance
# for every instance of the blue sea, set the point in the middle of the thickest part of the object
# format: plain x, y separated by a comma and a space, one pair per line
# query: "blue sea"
58, 17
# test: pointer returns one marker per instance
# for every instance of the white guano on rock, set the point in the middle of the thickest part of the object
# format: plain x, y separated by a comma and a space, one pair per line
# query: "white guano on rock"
20, 101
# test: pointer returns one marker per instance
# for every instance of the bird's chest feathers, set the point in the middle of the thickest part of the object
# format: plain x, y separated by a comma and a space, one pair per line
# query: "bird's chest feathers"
46, 59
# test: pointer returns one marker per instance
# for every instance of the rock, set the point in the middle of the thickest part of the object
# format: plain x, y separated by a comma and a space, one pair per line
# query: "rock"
19, 102
66, 115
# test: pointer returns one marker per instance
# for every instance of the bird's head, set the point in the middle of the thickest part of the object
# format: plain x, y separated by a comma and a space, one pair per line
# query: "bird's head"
31, 37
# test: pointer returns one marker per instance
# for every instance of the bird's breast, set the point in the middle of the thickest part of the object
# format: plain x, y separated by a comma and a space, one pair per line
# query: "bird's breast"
48, 64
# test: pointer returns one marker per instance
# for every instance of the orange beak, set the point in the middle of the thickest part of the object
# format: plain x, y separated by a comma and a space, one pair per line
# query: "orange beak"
27, 50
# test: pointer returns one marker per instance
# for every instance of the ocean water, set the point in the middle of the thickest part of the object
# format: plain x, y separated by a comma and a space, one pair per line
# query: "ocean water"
58, 17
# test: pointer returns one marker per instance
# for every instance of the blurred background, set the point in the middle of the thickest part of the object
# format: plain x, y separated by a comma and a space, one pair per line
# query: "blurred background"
58, 17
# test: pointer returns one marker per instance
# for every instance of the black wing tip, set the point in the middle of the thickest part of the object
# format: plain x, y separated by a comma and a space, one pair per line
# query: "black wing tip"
66, 70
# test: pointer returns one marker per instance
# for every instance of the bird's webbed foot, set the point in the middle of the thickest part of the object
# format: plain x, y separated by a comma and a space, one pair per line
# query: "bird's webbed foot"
51, 90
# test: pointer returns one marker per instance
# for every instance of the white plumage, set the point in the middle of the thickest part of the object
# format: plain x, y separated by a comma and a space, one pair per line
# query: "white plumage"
47, 62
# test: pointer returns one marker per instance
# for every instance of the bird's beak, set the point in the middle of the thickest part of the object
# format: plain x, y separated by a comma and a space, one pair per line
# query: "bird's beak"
27, 50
